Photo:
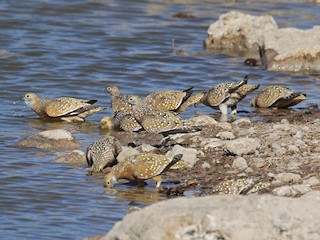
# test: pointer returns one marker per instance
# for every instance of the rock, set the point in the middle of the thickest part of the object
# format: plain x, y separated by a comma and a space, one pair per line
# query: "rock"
223, 217
145, 148
239, 163
125, 153
237, 31
292, 190
205, 165
242, 146
203, 120
225, 126
74, 157
51, 140
286, 49
277, 149
284, 178
241, 121
212, 143
311, 181
226, 135
189, 154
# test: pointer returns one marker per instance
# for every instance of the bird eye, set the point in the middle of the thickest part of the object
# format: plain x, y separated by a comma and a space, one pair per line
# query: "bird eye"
27, 95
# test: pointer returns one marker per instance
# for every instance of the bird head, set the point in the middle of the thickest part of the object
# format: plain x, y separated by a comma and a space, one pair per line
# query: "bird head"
29, 99
109, 180
113, 90
134, 100
107, 122
253, 102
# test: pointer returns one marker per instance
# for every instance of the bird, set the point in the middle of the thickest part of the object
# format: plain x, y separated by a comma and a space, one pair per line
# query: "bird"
217, 97
240, 94
118, 100
63, 108
156, 121
168, 100
120, 121
277, 96
102, 153
140, 167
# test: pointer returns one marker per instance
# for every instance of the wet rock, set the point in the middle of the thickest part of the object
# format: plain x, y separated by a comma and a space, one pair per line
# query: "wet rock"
189, 154
223, 217
203, 120
74, 157
51, 140
239, 163
286, 49
225, 135
292, 190
237, 31
242, 146
283, 178
125, 153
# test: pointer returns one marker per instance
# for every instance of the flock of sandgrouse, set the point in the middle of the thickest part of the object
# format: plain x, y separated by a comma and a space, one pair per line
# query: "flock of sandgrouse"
156, 113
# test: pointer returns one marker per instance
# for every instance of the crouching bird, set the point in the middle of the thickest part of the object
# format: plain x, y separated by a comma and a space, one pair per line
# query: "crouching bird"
141, 167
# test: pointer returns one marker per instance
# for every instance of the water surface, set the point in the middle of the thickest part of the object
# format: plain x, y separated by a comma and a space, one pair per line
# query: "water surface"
78, 48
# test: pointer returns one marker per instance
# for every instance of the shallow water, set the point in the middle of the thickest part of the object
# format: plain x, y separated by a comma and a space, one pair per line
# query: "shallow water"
58, 48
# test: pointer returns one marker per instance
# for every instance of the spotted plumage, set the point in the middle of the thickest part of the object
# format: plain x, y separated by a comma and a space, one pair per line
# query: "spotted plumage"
63, 108
120, 121
168, 100
277, 96
141, 167
102, 153
217, 97
118, 100
155, 121
240, 186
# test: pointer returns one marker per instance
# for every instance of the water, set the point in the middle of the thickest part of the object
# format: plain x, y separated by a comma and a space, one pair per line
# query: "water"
78, 48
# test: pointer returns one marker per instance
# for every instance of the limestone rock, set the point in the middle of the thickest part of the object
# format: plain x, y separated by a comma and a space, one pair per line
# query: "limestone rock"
242, 146
225, 135
237, 31
239, 163
126, 152
292, 190
74, 157
203, 120
51, 140
282, 178
189, 154
286, 49
223, 217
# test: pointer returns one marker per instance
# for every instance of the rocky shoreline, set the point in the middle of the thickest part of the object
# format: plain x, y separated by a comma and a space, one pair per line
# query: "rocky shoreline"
277, 155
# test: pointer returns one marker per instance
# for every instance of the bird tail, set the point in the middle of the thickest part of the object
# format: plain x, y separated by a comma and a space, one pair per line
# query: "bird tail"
174, 160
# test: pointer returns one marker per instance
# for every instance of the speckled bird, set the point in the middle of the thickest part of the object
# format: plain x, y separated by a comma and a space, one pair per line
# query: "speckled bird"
240, 186
121, 121
168, 100
63, 108
155, 121
102, 153
277, 96
217, 97
141, 167
118, 100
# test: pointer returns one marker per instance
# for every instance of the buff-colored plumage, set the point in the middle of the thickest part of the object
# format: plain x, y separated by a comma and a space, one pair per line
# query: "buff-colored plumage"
217, 97
277, 96
102, 153
118, 100
120, 121
155, 121
141, 167
64, 108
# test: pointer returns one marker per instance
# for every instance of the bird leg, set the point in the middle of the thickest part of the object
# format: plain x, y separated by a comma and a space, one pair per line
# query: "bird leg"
158, 179
234, 109
223, 108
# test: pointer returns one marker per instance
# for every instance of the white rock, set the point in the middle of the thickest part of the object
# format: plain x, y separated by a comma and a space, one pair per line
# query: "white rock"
242, 121
287, 178
189, 154
292, 190
225, 135
311, 181
242, 146
126, 152
239, 163
57, 134
203, 120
